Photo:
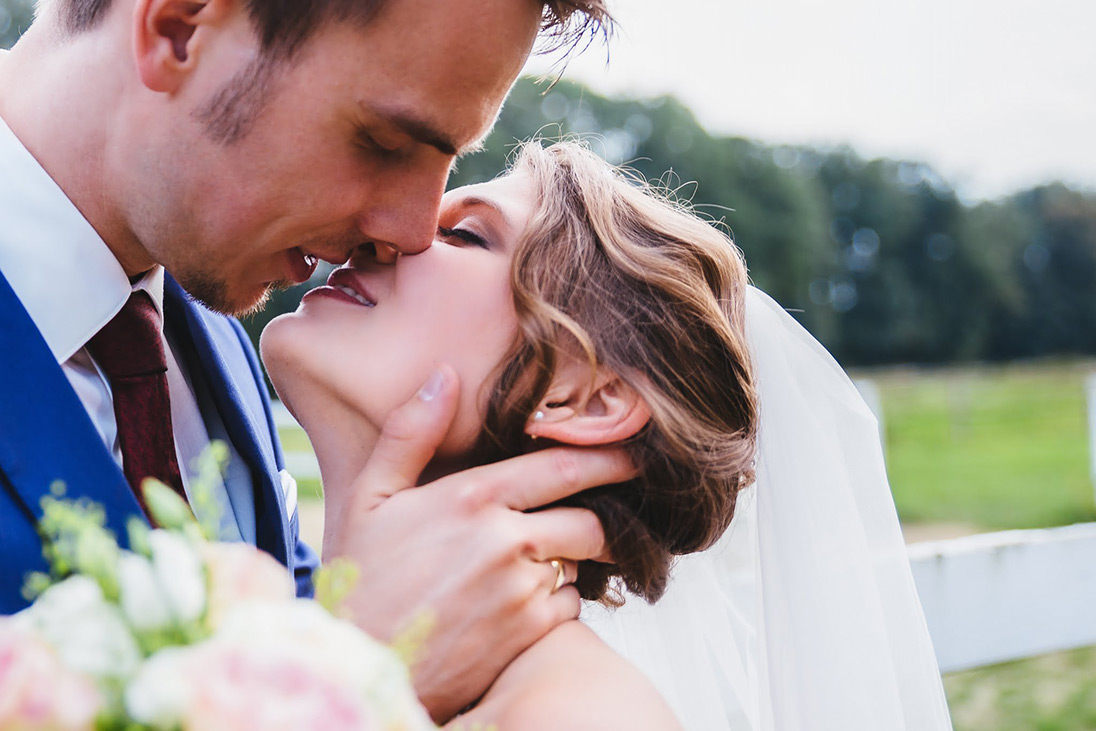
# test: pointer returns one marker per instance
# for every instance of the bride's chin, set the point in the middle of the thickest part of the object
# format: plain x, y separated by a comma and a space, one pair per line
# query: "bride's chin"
284, 357
276, 348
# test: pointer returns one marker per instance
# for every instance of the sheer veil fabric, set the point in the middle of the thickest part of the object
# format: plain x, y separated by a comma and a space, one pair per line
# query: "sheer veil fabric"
804, 616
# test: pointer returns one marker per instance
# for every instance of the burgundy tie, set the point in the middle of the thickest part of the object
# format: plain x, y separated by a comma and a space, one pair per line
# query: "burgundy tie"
130, 350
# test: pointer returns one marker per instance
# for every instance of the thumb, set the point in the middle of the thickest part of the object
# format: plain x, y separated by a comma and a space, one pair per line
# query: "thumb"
411, 435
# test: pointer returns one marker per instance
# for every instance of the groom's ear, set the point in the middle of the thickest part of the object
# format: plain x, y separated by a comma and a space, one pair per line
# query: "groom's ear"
169, 36
584, 413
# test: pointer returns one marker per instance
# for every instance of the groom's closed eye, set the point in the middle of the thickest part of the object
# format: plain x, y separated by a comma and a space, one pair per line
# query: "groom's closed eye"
368, 143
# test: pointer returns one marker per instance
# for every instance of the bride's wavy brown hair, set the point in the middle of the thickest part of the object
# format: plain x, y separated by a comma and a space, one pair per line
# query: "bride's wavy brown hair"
615, 270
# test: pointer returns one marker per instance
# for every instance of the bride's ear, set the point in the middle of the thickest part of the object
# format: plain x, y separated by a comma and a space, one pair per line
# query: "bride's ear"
574, 411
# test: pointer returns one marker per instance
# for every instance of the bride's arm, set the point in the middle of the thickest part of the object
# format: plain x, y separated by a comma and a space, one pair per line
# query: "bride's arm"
570, 680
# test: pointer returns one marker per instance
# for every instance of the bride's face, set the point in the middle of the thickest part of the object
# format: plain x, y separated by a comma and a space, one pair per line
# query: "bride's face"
365, 343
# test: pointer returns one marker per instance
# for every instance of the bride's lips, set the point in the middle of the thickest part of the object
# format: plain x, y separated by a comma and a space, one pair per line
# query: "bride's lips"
301, 265
344, 286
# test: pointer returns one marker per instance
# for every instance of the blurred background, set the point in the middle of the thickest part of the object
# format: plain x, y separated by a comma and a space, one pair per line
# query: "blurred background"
916, 183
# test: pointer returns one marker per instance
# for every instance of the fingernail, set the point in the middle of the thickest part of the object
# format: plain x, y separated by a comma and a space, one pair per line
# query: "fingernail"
432, 387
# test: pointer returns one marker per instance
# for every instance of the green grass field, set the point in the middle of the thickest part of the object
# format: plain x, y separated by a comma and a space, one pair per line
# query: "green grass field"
1055, 692
993, 448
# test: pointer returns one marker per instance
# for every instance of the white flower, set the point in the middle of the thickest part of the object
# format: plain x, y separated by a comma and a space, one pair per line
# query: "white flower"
161, 691
143, 601
179, 575
89, 633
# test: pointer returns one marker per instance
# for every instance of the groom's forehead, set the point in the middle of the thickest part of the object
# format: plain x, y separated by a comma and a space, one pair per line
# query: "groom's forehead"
415, 55
417, 16
462, 26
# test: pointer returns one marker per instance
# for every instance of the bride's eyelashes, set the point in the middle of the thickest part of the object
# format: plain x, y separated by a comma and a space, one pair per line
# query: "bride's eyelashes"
463, 235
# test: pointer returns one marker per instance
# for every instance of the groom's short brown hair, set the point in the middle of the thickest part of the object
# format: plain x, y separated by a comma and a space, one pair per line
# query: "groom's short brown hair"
283, 25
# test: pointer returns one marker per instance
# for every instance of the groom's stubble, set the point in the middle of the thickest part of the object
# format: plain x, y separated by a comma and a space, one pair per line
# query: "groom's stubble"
226, 118
212, 293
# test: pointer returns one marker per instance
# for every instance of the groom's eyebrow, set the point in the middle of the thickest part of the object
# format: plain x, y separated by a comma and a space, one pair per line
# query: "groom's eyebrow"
424, 131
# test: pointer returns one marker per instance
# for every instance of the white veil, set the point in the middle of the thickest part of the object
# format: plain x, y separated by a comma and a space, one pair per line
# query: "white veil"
804, 615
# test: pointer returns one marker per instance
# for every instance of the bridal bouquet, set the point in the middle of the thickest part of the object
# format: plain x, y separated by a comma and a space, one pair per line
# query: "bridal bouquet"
182, 633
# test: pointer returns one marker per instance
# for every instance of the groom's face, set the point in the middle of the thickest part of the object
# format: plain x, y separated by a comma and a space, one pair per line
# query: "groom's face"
348, 143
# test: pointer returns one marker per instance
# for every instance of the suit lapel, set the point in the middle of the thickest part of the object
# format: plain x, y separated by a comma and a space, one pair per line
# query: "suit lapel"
198, 331
46, 435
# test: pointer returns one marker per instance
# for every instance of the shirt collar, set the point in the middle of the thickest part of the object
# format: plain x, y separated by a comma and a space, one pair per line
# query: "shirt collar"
62, 271
153, 283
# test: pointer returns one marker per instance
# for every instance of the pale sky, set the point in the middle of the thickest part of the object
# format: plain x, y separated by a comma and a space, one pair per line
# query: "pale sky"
997, 95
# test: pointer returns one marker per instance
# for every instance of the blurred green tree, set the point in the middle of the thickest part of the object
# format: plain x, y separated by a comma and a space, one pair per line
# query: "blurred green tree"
911, 283
1050, 245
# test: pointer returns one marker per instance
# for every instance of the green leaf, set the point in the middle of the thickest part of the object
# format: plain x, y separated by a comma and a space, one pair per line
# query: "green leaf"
410, 640
75, 540
168, 510
334, 582
209, 469
138, 531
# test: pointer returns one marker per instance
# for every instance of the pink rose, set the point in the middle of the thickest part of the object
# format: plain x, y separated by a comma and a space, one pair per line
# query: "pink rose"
36, 689
278, 665
237, 572
238, 686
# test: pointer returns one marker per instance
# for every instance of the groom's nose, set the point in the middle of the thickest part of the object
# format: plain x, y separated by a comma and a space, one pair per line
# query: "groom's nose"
385, 254
401, 213
372, 253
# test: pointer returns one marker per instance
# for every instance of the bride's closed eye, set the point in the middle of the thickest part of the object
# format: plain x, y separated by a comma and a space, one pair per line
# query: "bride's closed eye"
462, 235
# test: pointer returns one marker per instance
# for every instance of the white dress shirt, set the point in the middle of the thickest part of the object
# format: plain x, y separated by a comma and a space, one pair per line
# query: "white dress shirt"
71, 286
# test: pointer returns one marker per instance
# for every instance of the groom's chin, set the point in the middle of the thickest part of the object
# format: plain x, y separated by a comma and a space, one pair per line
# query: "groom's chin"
219, 297
257, 303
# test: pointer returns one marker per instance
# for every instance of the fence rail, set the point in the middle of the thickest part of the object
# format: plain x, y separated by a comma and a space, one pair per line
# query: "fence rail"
1004, 596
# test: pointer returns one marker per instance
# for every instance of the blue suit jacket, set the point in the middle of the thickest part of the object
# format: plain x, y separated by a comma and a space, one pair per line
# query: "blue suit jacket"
47, 436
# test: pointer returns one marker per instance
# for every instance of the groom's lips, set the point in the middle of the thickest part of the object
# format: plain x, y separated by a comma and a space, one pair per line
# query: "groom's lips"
343, 285
301, 265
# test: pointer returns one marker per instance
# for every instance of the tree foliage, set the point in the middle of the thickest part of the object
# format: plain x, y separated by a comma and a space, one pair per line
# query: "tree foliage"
15, 17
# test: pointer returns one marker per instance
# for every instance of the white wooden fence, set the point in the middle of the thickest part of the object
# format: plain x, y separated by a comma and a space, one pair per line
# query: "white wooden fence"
1004, 596
989, 597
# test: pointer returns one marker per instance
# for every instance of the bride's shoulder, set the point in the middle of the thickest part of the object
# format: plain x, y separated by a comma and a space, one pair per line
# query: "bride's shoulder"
571, 679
